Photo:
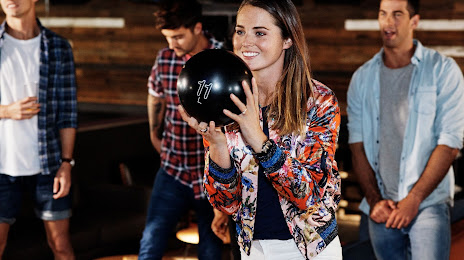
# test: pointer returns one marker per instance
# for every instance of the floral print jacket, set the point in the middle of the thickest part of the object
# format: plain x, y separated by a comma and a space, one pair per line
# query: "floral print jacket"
301, 168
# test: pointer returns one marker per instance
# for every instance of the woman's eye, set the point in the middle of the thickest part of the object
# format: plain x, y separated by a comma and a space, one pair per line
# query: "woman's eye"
239, 32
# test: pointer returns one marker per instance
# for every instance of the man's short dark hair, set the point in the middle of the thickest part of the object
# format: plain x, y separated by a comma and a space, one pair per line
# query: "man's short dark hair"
173, 14
413, 7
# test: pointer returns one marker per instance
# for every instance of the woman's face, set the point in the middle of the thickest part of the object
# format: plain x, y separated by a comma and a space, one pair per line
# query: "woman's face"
258, 41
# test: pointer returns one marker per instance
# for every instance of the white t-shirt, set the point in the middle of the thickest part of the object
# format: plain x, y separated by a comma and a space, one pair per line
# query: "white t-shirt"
19, 78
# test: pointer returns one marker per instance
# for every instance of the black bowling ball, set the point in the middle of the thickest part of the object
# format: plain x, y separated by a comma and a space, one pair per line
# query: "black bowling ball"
206, 82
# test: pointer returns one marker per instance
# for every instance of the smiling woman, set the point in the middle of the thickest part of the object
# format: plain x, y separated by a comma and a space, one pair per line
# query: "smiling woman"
282, 143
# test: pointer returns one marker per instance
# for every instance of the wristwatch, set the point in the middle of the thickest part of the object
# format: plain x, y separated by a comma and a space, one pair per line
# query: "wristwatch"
69, 160
265, 148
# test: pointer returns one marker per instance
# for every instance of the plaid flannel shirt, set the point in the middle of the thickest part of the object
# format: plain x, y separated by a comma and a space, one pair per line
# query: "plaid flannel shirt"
57, 95
182, 151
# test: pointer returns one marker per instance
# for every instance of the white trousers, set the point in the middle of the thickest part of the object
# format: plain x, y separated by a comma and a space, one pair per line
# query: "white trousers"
287, 250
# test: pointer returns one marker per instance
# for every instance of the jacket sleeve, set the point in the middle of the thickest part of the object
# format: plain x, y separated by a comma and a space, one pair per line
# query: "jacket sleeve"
222, 186
302, 177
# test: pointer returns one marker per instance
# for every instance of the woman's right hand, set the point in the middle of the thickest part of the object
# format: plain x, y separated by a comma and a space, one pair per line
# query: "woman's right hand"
211, 133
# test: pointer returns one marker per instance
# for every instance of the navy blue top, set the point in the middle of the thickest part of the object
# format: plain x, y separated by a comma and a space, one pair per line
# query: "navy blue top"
270, 222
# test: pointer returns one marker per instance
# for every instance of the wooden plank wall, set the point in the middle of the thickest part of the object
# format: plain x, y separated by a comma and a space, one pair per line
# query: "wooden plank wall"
112, 65
336, 53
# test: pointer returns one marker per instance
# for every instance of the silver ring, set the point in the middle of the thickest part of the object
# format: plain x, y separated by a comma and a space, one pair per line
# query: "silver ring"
204, 130
244, 111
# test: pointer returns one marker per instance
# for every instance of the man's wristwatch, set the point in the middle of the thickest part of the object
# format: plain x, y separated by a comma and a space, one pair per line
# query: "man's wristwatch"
68, 160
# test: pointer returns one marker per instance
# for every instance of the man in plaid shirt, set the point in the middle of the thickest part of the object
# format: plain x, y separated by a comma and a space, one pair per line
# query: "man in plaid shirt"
38, 121
178, 184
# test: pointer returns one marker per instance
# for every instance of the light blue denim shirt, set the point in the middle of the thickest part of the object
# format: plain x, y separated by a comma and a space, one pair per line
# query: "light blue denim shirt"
436, 117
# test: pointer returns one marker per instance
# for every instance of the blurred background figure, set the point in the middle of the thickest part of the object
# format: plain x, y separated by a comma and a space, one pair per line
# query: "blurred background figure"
38, 121
178, 184
405, 130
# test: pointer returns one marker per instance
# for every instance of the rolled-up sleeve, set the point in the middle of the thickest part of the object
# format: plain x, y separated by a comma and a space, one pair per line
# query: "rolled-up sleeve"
354, 110
155, 87
67, 102
450, 114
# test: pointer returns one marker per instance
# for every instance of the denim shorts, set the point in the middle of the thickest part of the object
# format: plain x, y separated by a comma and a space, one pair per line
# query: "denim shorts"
40, 187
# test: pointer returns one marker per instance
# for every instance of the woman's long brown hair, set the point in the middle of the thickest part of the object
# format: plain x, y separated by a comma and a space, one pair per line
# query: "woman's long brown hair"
288, 106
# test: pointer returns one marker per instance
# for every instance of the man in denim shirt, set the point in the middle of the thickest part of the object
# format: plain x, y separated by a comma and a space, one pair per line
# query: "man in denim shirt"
38, 120
406, 126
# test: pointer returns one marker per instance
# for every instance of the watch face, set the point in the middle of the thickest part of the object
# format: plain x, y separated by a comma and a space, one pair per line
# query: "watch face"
70, 161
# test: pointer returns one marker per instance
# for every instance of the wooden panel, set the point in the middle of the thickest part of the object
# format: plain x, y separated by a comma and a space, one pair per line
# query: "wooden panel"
113, 85
113, 64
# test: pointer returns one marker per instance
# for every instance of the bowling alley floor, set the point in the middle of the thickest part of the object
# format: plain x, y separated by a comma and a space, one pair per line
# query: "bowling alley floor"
348, 226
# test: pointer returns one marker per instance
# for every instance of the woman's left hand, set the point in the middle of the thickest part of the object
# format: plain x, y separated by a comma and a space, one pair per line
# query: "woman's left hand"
249, 118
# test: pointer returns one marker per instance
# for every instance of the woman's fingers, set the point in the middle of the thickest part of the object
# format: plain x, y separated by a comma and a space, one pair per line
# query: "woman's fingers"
255, 94
183, 113
240, 105
201, 127
251, 97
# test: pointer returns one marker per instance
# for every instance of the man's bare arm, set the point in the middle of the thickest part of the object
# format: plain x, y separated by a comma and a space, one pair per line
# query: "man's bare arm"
380, 209
62, 181
156, 111
365, 174
437, 167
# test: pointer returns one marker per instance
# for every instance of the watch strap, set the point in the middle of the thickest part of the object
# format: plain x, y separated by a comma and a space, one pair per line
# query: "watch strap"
68, 160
